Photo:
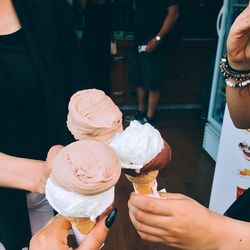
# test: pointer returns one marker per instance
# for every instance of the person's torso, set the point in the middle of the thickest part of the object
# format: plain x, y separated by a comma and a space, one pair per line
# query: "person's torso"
149, 17
24, 102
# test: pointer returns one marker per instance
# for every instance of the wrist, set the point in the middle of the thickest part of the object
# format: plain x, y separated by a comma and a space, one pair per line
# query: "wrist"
158, 38
215, 232
36, 179
235, 234
237, 63
229, 72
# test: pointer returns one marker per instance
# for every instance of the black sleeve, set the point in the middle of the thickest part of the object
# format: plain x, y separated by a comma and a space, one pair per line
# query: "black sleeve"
75, 71
240, 209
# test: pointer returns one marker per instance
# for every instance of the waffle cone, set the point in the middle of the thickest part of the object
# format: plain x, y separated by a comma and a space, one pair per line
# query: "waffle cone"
144, 183
83, 224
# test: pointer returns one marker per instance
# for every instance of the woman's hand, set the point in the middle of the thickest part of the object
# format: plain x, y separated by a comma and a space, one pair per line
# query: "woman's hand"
55, 234
175, 220
238, 42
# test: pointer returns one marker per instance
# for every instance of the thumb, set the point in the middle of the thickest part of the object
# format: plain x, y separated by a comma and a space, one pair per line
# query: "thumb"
53, 151
95, 239
172, 196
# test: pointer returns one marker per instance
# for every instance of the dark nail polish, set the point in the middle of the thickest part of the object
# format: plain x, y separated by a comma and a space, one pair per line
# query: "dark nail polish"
111, 218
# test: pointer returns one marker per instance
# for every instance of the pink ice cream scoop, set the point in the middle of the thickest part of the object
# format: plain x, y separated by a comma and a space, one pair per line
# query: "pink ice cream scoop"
93, 115
86, 167
82, 182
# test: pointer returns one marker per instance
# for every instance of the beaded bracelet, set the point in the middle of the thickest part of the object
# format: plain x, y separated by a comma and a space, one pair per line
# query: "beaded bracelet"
238, 84
229, 72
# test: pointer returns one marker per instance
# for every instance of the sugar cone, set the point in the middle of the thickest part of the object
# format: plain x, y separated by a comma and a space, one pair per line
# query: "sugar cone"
144, 183
83, 224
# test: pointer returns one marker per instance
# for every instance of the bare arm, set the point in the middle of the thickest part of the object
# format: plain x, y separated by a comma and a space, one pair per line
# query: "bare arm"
168, 23
179, 221
27, 174
238, 47
20, 173
170, 20
239, 106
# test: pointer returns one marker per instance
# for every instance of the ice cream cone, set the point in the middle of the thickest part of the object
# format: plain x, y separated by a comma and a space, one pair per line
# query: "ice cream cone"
83, 224
144, 183
81, 186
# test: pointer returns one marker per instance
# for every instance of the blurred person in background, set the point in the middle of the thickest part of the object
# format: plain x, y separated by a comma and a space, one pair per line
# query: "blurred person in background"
154, 28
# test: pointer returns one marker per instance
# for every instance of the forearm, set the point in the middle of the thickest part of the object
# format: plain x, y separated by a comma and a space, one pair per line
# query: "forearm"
238, 101
224, 233
234, 235
18, 172
169, 21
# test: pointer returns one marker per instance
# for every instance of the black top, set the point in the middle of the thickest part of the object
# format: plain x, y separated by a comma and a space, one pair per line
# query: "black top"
58, 65
149, 17
53, 71
28, 104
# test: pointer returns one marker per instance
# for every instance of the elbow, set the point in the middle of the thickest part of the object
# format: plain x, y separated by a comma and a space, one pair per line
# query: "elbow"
176, 15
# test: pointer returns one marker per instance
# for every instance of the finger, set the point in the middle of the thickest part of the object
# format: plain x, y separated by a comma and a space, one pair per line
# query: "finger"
151, 238
173, 196
53, 234
57, 223
61, 222
165, 207
169, 241
152, 220
106, 212
97, 236
53, 151
163, 195
144, 228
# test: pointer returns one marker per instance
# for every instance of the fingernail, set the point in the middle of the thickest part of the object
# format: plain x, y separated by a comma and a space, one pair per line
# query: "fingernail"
111, 218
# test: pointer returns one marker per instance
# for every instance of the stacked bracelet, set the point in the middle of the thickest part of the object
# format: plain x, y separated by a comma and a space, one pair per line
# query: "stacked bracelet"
237, 85
229, 72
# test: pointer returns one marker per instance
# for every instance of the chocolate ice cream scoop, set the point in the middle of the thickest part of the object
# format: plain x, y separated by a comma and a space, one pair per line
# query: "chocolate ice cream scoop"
160, 161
